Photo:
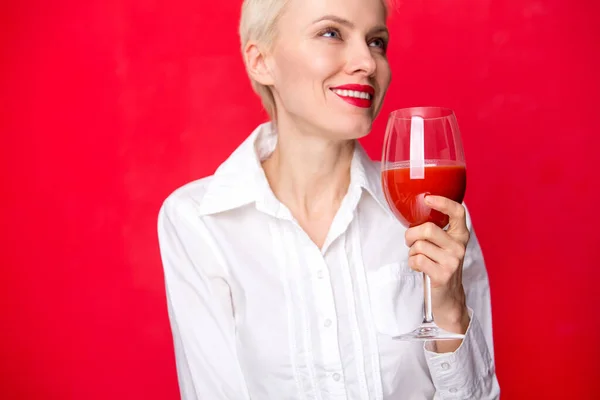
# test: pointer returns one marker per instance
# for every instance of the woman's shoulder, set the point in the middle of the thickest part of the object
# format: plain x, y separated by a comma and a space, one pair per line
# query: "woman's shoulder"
187, 197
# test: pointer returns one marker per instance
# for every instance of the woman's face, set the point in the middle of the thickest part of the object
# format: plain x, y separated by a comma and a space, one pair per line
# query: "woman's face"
329, 67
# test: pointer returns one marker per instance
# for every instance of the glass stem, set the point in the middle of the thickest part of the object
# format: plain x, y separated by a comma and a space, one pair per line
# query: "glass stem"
427, 311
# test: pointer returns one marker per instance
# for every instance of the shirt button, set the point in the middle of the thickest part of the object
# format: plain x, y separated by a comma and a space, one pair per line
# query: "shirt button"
327, 323
453, 390
320, 274
337, 377
445, 366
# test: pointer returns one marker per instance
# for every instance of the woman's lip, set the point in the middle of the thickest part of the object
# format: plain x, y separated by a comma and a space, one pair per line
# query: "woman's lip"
356, 87
361, 103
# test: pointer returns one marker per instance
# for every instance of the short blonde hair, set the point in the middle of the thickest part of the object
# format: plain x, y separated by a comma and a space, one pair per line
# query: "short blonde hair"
258, 23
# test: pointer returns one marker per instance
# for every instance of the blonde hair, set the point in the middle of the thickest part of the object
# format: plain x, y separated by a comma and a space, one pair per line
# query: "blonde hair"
258, 23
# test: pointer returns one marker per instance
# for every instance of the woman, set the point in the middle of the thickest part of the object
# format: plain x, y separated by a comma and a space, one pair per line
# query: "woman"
286, 273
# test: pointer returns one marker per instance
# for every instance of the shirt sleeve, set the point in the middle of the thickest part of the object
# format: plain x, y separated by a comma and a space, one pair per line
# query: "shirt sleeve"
199, 306
469, 372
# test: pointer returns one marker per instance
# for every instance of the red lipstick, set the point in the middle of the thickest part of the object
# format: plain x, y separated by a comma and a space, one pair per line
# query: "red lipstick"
348, 94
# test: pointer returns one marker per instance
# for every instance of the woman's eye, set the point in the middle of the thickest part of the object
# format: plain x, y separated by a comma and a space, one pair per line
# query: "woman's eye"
331, 33
378, 43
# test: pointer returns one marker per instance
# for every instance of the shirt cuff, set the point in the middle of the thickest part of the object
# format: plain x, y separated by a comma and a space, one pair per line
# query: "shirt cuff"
466, 372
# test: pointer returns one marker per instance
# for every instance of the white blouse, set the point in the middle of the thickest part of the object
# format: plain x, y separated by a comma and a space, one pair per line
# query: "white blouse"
259, 312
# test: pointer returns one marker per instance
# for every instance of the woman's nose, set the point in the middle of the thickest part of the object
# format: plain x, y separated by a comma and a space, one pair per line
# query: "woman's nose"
360, 60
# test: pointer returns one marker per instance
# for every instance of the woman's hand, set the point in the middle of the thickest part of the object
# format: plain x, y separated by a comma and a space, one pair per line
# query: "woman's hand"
440, 253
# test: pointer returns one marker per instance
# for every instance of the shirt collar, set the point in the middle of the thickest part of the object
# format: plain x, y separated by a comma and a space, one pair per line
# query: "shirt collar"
240, 180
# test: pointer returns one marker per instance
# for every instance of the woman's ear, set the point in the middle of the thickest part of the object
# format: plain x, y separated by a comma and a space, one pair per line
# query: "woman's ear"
256, 64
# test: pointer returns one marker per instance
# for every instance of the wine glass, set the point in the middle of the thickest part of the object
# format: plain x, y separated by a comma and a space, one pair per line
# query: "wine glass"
423, 155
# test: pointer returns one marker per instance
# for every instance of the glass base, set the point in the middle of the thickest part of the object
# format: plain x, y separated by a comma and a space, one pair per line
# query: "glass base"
429, 331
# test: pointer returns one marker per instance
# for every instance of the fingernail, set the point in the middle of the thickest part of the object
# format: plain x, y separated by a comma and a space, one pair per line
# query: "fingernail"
429, 201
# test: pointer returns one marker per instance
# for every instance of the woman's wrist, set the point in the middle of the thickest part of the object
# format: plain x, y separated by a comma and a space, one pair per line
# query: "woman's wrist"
453, 319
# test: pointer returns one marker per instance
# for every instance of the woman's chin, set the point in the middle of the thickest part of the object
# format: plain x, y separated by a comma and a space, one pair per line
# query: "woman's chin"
353, 128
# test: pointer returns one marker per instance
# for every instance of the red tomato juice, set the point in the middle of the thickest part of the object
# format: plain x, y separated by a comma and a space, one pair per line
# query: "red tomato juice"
406, 196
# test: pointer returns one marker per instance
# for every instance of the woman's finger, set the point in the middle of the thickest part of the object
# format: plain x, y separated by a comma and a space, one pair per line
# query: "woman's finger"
451, 208
431, 233
439, 276
457, 226
444, 259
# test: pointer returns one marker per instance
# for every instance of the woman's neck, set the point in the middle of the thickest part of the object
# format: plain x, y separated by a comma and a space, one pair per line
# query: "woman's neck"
309, 174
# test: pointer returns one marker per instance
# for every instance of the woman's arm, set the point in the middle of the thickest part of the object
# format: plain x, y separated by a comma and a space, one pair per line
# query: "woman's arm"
199, 305
461, 302
469, 372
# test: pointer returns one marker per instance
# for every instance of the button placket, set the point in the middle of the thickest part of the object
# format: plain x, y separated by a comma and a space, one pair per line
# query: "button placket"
324, 288
326, 306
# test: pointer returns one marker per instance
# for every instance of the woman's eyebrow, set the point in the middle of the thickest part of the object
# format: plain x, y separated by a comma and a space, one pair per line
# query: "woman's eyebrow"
349, 24
335, 18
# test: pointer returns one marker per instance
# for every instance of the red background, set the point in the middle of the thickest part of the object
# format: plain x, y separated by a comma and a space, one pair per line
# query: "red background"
107, 106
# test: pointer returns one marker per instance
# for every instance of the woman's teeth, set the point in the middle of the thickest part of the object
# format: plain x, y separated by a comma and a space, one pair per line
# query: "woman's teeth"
352, 93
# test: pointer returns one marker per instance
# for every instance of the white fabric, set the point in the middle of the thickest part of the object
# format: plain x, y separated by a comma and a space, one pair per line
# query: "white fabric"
258, 311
